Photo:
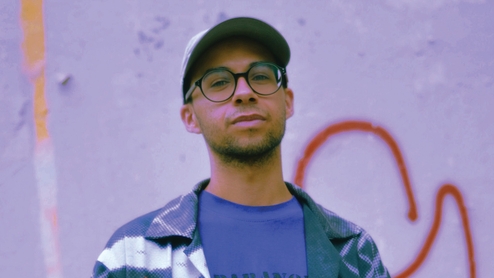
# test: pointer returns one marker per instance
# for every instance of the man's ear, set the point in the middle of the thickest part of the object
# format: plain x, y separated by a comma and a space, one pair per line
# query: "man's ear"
289, 103
189, 119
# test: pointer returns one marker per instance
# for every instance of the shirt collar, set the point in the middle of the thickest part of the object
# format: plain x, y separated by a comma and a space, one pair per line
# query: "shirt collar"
333, 225
179, 216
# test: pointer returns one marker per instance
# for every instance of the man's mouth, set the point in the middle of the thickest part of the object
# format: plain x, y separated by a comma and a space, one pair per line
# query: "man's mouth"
248, 119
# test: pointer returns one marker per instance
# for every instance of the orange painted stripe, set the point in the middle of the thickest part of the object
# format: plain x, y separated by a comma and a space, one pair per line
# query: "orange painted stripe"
33, 47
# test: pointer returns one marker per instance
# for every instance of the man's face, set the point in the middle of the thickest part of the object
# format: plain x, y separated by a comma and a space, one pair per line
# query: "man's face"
247, 125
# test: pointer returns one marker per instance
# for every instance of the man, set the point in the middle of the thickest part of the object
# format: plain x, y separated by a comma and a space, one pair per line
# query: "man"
245, 221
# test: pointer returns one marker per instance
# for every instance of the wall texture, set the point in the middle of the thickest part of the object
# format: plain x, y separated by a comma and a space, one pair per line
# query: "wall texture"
393, 126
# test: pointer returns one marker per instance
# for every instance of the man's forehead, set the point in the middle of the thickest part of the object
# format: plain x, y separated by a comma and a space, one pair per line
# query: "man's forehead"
233, 49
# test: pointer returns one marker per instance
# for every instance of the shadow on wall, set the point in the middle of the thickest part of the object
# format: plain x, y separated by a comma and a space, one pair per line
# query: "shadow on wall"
444, 190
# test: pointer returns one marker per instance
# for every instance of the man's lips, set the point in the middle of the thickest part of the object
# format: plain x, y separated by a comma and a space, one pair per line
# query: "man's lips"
248, 118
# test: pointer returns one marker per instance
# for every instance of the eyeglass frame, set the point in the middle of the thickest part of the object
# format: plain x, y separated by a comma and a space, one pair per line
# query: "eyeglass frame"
236, 76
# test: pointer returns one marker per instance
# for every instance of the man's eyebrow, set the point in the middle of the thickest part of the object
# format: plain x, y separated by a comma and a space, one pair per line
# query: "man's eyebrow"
229, 69
216, 69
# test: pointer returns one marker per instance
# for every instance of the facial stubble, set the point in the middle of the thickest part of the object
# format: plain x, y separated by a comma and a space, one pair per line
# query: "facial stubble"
232, 152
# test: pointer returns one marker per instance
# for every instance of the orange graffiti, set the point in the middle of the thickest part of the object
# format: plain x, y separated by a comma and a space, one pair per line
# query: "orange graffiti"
443, 192
447, 189
331, 130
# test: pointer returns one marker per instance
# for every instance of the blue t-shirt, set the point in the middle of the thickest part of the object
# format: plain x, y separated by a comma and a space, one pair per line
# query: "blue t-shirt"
252, 241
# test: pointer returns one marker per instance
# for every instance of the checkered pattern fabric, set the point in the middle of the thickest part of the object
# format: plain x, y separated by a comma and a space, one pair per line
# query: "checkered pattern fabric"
166, 243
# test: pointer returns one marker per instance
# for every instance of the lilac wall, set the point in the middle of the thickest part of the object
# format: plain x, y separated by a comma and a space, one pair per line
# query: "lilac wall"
421, 70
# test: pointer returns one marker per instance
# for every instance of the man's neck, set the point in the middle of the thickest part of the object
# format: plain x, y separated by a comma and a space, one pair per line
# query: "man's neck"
253, 183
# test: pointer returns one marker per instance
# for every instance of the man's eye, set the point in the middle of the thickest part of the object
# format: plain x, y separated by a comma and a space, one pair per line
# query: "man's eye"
260, 77
219, 83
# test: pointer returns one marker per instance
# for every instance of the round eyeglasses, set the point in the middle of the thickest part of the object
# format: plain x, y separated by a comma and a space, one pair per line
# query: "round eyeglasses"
219, 84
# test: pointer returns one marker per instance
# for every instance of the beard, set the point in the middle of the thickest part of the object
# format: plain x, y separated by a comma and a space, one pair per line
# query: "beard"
255, 151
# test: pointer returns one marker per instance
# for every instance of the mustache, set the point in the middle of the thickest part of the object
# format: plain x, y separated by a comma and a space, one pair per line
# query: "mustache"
245, 111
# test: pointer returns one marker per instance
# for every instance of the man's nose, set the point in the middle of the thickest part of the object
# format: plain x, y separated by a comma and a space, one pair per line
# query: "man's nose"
243, 92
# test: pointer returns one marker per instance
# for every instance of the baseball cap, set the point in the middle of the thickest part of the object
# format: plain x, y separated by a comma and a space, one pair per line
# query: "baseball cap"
240, 26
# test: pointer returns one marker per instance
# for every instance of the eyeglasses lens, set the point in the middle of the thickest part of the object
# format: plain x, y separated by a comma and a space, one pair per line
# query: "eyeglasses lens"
263, 78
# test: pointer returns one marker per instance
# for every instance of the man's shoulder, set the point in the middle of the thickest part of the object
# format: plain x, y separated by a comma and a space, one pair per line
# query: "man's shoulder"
141, 226
355, 246
152, 235
134, 228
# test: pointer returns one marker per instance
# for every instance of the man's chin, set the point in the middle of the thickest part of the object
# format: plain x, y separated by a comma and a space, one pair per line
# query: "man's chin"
249, 152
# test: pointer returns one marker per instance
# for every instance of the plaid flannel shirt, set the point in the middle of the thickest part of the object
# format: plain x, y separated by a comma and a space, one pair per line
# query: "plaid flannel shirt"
166, 243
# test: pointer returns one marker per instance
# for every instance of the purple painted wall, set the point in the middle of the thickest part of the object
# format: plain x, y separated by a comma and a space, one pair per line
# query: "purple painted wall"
423, 70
